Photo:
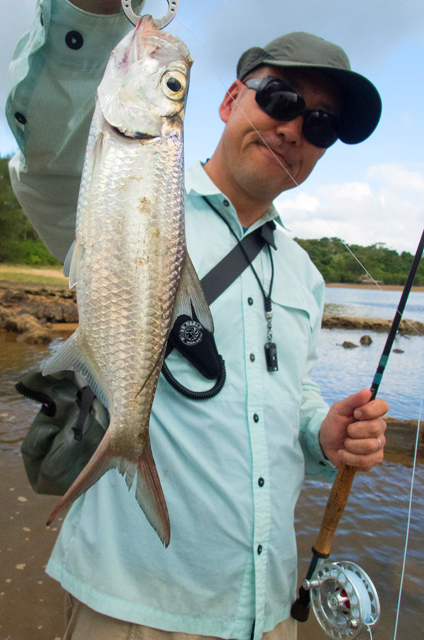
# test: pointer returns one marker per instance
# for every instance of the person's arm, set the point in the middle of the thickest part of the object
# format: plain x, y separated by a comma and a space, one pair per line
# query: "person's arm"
53, 78
331, 435
103, 7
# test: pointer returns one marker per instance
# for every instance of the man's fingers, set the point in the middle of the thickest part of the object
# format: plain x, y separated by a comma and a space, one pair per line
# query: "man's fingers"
374, 409
365, 446
366, 429
347, 406
362, 463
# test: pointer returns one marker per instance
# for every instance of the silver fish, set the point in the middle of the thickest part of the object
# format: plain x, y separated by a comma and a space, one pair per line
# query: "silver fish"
129, 263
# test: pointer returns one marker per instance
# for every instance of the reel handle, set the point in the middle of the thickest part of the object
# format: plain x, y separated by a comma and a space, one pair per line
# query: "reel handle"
334, 510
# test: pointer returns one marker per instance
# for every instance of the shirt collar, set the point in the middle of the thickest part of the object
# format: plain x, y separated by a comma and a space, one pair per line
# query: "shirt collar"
197, 182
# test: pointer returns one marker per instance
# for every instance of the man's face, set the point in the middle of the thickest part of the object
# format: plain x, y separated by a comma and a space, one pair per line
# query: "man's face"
250, 131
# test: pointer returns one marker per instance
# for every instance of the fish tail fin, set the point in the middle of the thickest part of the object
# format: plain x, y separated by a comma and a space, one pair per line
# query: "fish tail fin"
149, 495
100, 462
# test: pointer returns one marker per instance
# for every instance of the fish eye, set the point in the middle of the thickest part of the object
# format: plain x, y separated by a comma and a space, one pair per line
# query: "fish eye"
173, 84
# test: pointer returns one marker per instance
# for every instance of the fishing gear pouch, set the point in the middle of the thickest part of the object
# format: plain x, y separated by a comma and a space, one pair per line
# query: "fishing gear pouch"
65, 433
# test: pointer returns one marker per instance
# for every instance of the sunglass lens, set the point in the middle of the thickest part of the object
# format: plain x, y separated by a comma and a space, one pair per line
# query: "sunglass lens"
279, 102
320, 129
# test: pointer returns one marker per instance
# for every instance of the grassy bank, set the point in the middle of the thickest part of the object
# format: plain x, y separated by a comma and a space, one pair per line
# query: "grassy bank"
23, 273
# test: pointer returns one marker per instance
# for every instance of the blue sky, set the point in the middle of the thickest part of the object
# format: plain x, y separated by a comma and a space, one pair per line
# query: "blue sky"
366, 193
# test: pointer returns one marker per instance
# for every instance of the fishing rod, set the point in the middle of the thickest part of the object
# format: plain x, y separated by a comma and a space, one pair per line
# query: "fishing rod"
344, 599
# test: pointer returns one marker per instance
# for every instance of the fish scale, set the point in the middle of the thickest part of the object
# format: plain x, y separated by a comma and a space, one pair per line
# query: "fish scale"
130, 264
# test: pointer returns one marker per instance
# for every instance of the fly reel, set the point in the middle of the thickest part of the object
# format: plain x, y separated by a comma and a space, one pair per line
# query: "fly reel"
344, 600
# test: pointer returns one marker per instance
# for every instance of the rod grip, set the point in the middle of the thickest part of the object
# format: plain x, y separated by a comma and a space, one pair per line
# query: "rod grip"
335, 507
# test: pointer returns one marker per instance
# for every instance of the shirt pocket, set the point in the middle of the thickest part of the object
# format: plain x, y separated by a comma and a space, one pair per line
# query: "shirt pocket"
296, 315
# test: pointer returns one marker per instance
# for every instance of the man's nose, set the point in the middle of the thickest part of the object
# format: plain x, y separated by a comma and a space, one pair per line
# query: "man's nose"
291, 130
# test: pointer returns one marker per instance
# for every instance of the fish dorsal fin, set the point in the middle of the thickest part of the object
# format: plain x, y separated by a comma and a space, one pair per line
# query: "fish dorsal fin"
190, 293
73, 357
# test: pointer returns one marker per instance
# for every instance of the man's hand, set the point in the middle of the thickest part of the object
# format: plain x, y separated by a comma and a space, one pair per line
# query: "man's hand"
353, 431
102, 7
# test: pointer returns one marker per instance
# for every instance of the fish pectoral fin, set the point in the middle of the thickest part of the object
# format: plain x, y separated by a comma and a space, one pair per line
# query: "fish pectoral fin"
190, 293
150, 496
68, 260
75, 263
71, 356
100, 462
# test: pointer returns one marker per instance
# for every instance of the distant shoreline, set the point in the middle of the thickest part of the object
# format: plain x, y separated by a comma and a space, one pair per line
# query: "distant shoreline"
384, 287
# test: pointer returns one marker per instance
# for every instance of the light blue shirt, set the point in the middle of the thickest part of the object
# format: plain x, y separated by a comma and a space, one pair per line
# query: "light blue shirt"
232, 466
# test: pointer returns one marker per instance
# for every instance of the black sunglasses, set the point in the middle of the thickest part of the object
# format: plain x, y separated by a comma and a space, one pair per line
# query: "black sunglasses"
280, 101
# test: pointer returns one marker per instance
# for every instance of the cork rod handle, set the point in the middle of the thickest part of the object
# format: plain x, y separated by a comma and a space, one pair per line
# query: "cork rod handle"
334, 509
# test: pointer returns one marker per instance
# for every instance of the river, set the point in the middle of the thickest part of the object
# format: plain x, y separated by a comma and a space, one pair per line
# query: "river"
372, 530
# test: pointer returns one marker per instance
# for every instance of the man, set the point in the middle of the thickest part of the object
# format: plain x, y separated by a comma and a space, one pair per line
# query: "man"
231, 467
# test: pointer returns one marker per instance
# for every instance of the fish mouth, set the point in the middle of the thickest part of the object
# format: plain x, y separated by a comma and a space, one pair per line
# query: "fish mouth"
143, 136
138, 135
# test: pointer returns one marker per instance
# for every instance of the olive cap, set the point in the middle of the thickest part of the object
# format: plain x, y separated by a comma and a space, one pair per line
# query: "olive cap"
361, 100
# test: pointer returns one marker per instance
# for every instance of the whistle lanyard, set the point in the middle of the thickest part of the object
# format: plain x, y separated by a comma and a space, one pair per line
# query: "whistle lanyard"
270, 347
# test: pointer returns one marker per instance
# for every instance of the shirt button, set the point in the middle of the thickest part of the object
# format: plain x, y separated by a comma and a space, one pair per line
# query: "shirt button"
74, 40
252, 357
255, 417
250, 301
225, 203
261, 482
20, 118
259, 549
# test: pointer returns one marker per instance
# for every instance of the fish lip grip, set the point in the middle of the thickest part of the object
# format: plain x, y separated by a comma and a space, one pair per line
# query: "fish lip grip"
161, 23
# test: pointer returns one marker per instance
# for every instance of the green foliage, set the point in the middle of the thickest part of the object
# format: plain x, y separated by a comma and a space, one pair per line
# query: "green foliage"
19, 243
337, 264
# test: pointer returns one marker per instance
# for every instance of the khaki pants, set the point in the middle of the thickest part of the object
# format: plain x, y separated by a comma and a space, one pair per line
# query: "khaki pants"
82, 623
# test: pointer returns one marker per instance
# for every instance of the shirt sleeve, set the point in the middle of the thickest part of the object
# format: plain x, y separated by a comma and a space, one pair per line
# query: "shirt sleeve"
55, 71
314, 409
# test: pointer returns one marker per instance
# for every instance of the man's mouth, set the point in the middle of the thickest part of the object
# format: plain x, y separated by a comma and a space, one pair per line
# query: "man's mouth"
278, 155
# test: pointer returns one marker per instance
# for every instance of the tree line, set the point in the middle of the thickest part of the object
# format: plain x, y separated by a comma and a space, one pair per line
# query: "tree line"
337, 264
19, 244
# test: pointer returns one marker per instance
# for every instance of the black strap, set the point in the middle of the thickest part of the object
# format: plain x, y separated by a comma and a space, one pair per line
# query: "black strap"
85, 397
229, 268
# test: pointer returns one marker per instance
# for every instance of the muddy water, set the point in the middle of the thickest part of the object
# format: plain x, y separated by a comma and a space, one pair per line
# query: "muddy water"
372, 531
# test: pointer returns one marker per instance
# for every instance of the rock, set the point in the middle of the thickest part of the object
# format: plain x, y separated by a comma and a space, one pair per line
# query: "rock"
70, 313
26, 325
410, 327
349, 345
366, 341
14, 296
20, 324
398, 351
56, 312
40, 336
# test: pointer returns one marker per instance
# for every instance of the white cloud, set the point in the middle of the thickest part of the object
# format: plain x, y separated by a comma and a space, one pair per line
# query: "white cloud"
397, 176
389, 209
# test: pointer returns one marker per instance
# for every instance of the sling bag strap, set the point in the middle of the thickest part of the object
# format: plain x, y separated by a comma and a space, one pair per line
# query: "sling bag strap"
234, 263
